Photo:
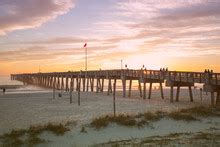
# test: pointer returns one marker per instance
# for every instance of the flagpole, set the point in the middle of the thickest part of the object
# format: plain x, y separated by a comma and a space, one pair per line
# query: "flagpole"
86, 58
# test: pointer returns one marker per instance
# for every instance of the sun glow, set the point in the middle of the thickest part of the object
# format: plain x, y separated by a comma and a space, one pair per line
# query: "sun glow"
150, 61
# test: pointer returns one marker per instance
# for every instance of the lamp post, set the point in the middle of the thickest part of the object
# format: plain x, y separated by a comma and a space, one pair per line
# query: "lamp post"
121, 64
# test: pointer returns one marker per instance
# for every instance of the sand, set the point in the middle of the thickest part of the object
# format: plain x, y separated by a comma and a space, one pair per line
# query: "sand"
21, 110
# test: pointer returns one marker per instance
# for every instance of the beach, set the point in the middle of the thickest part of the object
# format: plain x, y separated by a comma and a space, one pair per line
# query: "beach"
24, 109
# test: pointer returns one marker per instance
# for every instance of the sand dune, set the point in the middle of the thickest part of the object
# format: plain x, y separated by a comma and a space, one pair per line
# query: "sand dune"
22, 110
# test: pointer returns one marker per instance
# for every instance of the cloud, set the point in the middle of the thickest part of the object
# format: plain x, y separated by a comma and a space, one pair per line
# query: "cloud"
23, 14
62, 40
140, 9
177, 28
201, 10
50, 53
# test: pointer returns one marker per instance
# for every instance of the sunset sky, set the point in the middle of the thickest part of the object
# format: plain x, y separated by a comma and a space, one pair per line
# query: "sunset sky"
178, 34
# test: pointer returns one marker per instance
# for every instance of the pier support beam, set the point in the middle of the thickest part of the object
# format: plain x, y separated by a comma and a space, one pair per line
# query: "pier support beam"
179, 84
151, 81
67, 84
62, 83
83, 84
97, 85
77, 82
71, 90
161, 90
54, 84
92, 84
190, 94
124, 87
144, 91
58, 82
109, 87
102, 85
150, 89
171, 94
130, 85
73, 83
177, 93
79, 89
114, 93
140, 88
87, 84
212, 89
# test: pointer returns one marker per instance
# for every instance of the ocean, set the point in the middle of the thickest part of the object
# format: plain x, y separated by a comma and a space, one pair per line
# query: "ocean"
6, 80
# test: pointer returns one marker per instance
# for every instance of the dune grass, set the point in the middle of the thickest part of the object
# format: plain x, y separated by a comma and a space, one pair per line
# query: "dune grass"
138, 120
100, 122
142, 119
121, 119
194, 113
125, 120
57, 129
181, 116
201, 111
153, 116
30, 136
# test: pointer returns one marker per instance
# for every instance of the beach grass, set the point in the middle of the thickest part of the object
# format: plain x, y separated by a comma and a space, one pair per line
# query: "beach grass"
142, 119
181, 116
201, 111
121, 119
194, 113
16, 137
57, 129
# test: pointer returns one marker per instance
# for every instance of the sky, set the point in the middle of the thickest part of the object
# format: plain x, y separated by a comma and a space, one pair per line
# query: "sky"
48, 35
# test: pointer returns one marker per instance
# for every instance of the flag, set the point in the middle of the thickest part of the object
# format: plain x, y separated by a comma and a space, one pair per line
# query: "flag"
85, 45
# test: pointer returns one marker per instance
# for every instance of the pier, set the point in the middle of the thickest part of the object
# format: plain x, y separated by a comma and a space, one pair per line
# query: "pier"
94, 81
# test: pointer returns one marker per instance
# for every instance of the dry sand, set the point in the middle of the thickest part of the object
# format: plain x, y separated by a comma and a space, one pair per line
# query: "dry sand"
24, 109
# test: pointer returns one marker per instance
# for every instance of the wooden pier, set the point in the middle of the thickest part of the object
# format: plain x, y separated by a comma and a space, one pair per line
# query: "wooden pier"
89, 80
